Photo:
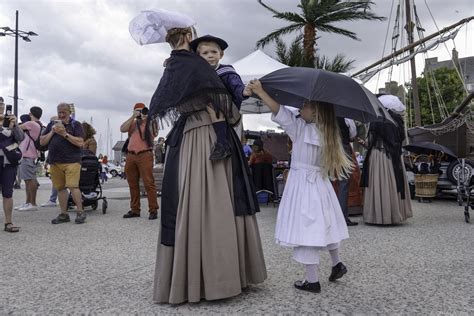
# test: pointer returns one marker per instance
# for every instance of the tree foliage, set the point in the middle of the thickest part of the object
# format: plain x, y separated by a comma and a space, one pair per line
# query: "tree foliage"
318, 16
293, 56
446, 86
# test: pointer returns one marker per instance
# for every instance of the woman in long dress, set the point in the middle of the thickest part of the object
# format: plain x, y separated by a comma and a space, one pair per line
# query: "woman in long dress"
205, 250
310, 218
386, 195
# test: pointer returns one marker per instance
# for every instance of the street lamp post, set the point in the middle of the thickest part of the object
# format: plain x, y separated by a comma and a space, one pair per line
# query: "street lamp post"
26, 37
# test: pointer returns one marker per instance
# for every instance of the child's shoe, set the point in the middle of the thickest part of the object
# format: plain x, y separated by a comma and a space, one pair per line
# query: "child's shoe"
337, 272
307, 286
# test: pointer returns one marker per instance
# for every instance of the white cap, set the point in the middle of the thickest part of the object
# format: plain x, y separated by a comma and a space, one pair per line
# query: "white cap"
391, 102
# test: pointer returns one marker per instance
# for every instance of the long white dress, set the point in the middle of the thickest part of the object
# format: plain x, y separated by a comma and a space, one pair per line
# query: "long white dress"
309, 212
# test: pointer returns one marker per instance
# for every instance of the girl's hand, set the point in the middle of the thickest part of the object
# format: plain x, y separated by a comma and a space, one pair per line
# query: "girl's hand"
247, 92
256, 86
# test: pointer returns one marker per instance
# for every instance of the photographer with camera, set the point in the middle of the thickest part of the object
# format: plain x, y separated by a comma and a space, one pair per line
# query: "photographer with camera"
10, 155
65, 138
139, 150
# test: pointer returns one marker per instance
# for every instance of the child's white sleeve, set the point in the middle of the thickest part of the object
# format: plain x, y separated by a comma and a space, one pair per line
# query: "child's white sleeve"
288, 121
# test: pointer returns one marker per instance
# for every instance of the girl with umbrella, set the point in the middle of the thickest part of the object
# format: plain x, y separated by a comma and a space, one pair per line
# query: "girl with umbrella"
310, 217
386, 195
207, 248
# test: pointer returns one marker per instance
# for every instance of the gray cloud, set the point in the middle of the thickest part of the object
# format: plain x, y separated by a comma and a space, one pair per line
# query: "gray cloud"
85, 55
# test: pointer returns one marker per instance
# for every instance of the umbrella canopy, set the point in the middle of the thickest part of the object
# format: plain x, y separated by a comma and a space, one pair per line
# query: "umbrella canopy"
151, 26
292, 86
428, 148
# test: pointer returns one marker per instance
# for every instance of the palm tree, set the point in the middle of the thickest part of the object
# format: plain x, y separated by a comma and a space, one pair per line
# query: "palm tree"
319, 16
293, 56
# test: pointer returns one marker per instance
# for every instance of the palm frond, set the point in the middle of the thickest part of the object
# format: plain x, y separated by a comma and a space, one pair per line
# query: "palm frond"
295, 52
337, 30
267, 7
290, 16
338, 64
281, 51
277, 34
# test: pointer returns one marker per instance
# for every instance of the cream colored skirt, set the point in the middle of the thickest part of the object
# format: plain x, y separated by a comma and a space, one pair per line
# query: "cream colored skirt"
216, 254
382, 202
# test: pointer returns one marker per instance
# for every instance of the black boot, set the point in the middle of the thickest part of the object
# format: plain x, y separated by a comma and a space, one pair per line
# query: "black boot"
351, 223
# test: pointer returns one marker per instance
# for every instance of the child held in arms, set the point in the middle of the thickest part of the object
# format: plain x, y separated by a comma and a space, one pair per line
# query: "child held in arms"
212, 48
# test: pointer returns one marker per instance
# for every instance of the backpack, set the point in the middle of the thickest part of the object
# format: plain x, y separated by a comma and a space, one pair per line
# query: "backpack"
36, 142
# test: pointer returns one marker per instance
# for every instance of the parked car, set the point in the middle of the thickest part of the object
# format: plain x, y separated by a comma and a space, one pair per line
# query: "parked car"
114, 170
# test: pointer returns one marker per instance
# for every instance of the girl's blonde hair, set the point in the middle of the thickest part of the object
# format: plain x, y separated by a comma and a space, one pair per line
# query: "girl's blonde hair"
335, 162
175, 37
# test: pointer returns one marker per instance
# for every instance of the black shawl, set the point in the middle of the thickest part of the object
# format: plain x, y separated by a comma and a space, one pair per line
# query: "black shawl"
188, 85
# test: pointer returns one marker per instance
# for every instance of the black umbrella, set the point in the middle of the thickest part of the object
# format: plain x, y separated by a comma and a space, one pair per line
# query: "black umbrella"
293, 85
429, 148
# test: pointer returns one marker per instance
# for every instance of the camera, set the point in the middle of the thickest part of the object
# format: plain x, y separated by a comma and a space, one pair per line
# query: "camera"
8, 112
143, 111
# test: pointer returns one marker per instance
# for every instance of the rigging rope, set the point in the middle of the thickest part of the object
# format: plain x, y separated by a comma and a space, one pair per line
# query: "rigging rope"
386, 36
364, 77
447, 50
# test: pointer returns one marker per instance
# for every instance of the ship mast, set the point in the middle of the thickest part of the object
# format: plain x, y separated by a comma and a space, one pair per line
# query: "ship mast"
414, 85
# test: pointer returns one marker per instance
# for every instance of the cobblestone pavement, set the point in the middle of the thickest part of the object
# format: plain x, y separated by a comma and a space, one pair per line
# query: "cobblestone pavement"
106, 266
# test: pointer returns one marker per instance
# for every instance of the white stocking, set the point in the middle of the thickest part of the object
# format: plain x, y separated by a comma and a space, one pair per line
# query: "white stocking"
312, 273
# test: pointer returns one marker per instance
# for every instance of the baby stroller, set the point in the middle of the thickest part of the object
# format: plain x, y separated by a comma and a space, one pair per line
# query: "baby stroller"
465, 188
89, 184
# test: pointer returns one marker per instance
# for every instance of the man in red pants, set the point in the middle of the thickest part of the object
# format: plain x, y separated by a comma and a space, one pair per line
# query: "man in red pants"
139, 161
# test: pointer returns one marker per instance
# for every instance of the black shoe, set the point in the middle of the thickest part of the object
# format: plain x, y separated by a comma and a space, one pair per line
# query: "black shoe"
220, 151
62, 218
153, 216
351, 223
337, 272
306, 286
81, 218
130, 214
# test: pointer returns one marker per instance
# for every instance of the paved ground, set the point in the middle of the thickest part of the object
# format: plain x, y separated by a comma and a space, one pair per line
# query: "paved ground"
106, 266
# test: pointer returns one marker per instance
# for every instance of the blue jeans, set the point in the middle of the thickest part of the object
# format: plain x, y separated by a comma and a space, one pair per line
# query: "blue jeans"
54, 195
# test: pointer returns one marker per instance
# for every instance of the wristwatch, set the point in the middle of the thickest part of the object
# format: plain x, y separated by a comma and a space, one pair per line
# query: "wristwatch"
67, 136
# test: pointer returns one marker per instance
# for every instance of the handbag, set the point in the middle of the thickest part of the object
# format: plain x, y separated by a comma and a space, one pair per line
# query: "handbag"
13, 154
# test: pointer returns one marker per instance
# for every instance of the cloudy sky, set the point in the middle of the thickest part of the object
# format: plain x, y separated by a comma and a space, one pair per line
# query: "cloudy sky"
85, 55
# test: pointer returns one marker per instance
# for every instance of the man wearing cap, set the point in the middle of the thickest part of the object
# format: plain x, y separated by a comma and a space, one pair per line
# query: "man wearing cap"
64, 138
139, 160
32, 129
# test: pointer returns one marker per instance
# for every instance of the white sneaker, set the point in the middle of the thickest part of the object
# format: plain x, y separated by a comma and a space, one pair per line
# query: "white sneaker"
49, 204
20, 206
28, 207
